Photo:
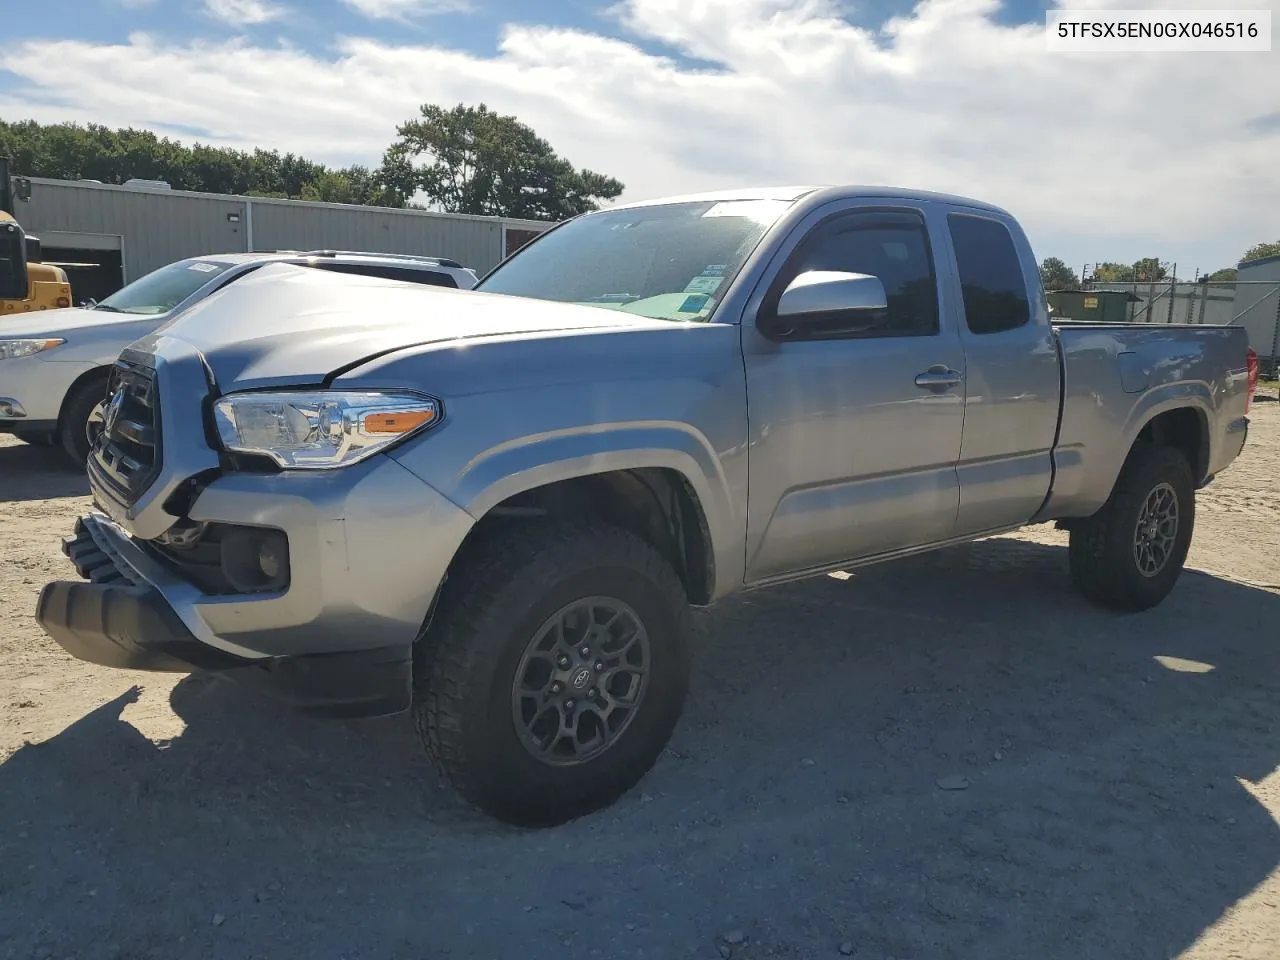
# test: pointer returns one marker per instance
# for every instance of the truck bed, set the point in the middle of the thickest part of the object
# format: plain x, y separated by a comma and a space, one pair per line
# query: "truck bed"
1116, 377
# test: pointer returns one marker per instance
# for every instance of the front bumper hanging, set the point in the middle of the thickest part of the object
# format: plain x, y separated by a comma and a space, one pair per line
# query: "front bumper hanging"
117, 619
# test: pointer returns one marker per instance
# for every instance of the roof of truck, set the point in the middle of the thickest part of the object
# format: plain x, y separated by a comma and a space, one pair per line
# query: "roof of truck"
830, 192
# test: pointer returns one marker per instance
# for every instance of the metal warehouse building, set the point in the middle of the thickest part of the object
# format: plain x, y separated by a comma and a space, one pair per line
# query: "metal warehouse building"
1257, 305
107, 236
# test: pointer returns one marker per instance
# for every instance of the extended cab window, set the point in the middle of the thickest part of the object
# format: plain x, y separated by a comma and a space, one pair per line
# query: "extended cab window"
995, 291
890, 245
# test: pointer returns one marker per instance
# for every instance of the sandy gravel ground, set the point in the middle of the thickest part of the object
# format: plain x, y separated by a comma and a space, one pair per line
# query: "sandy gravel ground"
1118, 778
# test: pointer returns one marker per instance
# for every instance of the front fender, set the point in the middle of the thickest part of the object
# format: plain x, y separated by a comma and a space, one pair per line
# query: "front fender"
524, 464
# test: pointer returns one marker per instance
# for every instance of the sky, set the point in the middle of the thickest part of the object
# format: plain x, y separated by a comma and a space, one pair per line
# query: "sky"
1102, 156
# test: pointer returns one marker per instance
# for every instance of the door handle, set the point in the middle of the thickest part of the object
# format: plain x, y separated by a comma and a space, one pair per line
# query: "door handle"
938, 377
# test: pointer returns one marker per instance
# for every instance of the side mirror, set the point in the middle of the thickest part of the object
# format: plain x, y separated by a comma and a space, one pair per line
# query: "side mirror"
13, 262
829, 303
33, 249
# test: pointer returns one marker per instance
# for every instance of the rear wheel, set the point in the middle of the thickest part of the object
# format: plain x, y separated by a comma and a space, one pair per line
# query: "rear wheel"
81, 419
1129, 554
554, 671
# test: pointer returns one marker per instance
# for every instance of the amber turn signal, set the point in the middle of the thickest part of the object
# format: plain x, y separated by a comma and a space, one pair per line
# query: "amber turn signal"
392, 421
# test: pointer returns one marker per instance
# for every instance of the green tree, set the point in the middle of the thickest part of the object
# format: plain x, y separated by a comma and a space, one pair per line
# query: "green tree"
1149, 269
1223, 275
1260, 250
1112, 273
329, 187
68, 151
472, 160
1056, 275
397, 179
369, 187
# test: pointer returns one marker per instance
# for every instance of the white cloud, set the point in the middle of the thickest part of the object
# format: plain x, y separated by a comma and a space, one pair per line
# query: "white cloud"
244, 12
407, 9
1102, 156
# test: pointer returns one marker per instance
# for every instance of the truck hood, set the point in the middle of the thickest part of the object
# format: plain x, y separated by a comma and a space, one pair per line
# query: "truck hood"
292, 325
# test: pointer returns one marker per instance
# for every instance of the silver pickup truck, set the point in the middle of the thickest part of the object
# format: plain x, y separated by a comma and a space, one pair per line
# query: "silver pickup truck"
498, 519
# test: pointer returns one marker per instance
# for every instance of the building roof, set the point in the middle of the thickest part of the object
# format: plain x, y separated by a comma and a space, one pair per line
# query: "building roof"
235, 197
1258, 262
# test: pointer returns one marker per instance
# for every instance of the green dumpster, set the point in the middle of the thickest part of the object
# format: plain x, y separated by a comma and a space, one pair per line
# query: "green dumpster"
1106, 306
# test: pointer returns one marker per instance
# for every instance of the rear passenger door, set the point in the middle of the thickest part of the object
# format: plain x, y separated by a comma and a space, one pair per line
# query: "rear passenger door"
1013, 375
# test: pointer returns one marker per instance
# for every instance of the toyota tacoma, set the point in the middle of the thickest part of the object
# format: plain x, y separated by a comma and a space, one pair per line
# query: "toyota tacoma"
498, 520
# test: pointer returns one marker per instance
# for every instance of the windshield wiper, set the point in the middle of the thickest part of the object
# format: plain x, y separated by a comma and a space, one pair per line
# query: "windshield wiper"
106, 307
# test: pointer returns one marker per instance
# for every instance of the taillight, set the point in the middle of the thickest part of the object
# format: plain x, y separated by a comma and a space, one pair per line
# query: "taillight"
1251, 364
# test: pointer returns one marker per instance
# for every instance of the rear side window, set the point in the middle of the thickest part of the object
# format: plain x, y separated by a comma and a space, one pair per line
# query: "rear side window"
386, 272
995, 292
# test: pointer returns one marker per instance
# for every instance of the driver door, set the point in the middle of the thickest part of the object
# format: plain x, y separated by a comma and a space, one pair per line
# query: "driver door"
855, 433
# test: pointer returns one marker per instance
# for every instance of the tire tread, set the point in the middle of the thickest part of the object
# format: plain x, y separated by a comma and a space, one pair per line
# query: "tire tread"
1099, 552
494, 577
76, 408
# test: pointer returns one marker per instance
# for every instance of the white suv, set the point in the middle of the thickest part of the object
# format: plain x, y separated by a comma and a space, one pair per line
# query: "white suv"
54, 364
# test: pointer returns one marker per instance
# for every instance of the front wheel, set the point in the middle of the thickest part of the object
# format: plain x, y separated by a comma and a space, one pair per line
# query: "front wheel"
81, 420
1129, 554
554, 671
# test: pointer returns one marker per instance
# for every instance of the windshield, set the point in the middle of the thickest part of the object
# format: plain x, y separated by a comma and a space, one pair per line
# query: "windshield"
670, 261
162, 290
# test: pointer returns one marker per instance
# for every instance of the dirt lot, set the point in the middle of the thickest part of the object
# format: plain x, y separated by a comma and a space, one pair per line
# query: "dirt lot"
1121, 802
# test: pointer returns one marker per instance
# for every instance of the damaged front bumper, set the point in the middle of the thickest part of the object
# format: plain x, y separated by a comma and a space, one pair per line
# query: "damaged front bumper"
120, 617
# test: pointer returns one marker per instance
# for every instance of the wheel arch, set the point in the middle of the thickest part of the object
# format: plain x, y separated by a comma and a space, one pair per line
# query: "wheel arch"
102, 372
660, 479
1185, 429
1179, 416
1176, 416
658, 504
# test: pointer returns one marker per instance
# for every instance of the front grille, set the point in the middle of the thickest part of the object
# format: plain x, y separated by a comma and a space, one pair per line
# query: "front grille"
126, 456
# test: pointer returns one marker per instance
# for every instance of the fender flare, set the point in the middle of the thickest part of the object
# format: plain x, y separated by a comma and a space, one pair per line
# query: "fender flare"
518, 466
1192, 395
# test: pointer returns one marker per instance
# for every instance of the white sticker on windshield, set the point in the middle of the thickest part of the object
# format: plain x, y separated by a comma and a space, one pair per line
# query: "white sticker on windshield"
203, 267
735, 208
762, 212
706, 285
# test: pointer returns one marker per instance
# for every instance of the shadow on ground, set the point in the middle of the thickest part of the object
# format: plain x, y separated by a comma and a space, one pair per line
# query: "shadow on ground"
30, 472
798, 805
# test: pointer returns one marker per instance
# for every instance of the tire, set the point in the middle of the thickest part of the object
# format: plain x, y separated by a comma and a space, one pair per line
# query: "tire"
506, 586
74, 422
1106, 565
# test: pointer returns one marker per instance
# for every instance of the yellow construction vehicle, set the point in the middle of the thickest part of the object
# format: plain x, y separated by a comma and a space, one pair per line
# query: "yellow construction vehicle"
25, 283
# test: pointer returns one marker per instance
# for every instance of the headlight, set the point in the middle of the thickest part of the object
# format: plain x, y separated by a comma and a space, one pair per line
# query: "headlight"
326, 428
12, 349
